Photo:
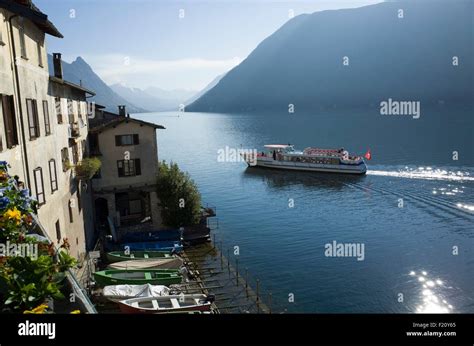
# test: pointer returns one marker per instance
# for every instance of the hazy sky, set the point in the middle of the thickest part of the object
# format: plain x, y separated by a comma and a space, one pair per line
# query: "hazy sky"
169, 44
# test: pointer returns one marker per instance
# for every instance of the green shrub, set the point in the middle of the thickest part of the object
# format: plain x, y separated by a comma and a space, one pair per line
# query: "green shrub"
179, 196
87, 168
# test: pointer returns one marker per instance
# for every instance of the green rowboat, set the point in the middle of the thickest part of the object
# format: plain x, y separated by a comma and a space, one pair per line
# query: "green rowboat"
138, 277
117, 256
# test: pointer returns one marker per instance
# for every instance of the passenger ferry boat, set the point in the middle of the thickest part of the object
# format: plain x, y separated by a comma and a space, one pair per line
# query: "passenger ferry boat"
281, 156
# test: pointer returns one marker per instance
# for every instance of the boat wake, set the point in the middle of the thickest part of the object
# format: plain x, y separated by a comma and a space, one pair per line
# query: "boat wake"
425, 173
433, 200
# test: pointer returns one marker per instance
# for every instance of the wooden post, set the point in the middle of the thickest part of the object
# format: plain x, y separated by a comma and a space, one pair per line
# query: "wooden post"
270, 302
237, 272
220, 251
258, 296
247, 282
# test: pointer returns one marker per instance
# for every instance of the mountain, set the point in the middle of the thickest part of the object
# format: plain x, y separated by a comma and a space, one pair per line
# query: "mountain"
409, 58
153, 99
173, 97
208, 87
80, 72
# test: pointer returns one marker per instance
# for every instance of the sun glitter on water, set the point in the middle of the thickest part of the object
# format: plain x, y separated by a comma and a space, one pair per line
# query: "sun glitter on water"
431, 299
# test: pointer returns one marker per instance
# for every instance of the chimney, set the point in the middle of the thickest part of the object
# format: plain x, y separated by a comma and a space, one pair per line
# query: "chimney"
122, 110
58, 69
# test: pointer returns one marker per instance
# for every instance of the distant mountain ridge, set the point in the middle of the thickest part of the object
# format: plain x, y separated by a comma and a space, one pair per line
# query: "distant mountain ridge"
208, 87
409, 58
79, 72
153, 99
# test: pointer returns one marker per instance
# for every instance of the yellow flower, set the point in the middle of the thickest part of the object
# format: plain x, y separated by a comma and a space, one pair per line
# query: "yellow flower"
75, 312
13, 214
38, 310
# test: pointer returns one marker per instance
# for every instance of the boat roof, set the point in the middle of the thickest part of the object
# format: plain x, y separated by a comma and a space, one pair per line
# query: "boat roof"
277, 146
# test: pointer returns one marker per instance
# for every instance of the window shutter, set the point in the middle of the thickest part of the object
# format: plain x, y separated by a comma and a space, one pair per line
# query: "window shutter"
118, 142
47, 127
37, 128
135, 139
31, 118
138, 169
11, 132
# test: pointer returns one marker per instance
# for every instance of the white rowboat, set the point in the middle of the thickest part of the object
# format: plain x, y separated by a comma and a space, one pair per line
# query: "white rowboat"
117, 293
166, 304
155, 263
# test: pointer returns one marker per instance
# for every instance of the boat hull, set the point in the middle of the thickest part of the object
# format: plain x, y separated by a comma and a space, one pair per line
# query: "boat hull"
155, 263
311, 167
116, 293
191, 235
154, 246
126, 305
137, 277
117, 256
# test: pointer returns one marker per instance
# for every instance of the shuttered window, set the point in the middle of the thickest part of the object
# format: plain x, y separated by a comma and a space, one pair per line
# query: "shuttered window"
22, 39
129, 168
58, 231
53, 175
59, 111
33, 123
123, 140
11, 132
71, 216
65, 159
79, 197
79, 110
75, 154
47, 124
39, 186
70, 111
40, 53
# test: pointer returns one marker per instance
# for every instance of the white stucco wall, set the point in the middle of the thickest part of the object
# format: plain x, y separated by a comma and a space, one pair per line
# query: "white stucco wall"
34, 83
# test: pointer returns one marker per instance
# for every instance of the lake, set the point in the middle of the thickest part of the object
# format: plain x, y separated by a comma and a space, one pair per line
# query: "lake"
413, 212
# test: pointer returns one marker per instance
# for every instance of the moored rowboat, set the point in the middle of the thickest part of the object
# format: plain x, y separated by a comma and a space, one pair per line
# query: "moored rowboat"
117, 293
138, 277
171, 246
116, 256
166, 304
157, 263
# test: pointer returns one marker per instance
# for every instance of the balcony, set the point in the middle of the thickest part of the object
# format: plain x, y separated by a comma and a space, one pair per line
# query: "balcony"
73, 130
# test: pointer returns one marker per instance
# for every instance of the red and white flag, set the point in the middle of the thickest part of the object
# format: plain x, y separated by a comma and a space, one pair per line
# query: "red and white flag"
368, 155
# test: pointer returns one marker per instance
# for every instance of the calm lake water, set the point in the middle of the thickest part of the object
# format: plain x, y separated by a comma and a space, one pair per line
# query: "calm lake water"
408, 250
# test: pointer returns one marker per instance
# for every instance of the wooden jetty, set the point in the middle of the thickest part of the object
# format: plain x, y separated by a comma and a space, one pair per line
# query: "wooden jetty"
211, 273
214, 274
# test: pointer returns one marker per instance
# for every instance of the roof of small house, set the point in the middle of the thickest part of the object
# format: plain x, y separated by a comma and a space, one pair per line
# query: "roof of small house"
111, 123
70, 84
27, 9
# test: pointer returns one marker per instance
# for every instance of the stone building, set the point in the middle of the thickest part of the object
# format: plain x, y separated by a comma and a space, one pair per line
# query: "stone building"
43, 125
124, 190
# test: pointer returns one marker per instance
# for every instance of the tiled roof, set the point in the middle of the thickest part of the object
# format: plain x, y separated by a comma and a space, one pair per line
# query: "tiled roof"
112, 122
27, 9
